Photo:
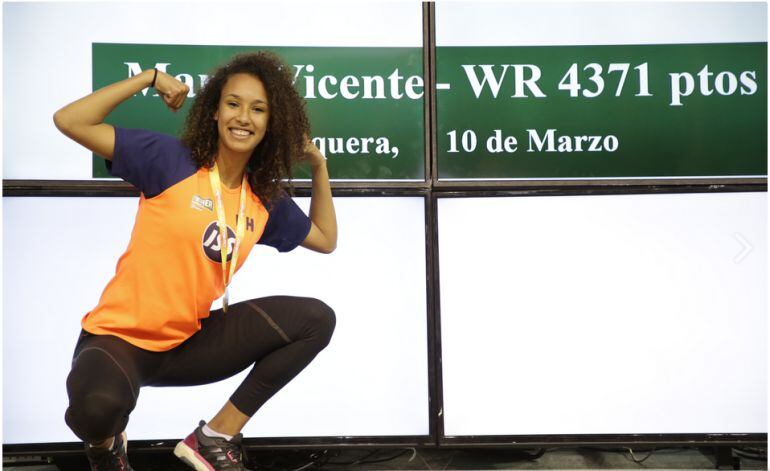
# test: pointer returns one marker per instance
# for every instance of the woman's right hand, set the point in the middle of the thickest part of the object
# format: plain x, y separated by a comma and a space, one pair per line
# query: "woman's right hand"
172, 91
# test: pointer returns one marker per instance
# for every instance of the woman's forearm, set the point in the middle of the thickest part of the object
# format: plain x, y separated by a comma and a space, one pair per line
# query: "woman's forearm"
321, 205
83, 120
93, 108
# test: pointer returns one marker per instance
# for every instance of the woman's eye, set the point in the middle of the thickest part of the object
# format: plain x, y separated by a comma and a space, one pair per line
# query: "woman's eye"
257, 110
232, 104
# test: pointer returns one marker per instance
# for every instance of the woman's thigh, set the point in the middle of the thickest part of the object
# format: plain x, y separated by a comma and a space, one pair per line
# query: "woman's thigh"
231, 342
132, 364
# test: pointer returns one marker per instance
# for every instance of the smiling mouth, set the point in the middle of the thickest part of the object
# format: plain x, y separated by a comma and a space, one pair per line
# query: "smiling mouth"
240, 132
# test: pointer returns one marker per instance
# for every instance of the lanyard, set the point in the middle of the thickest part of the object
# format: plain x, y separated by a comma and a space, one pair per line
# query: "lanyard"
239, 231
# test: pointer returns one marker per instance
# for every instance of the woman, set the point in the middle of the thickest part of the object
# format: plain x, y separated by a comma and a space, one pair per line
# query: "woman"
153, 325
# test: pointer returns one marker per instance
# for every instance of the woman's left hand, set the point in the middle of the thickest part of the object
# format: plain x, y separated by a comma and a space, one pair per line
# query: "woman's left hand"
312, 155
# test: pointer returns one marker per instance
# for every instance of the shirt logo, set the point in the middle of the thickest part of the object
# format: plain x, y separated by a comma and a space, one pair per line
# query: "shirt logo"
201, 204
211, 245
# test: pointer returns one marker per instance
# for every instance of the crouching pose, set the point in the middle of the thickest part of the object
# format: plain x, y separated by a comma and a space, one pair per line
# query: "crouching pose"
205, 201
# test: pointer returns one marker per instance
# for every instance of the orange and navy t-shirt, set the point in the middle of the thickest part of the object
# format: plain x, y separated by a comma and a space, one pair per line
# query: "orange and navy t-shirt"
171, 272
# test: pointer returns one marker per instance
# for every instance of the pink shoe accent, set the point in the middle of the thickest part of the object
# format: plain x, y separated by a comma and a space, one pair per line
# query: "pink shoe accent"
191, 442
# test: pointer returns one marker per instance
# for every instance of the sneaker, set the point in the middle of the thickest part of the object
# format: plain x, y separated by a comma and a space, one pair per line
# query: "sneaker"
204, 453
110, 459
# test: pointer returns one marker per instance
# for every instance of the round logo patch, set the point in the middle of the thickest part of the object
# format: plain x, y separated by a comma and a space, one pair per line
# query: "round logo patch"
211, 242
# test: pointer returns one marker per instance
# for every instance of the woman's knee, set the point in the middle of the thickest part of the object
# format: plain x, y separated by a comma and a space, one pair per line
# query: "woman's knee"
100, 396
322, 318
97, 415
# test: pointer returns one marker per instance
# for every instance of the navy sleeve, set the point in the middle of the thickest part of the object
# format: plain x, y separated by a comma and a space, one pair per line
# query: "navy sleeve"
150, 161
287, 226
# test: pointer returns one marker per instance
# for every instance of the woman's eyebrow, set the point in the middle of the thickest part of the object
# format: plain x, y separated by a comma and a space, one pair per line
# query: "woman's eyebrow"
238, 97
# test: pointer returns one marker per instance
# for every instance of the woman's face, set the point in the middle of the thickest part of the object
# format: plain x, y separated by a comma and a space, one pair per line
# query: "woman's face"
242, 114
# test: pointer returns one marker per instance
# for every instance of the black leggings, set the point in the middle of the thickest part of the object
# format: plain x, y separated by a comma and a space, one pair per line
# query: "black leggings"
278, 335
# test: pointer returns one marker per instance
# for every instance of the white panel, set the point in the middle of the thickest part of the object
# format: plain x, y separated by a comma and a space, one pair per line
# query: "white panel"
596, 23
616, 314
47, 50
372, 380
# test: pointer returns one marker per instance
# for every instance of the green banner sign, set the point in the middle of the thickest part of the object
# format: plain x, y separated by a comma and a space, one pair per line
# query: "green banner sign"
365, 104
583, 112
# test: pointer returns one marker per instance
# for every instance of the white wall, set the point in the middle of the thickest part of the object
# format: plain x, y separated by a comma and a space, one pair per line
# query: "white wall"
598, 23
620, 314
372, 380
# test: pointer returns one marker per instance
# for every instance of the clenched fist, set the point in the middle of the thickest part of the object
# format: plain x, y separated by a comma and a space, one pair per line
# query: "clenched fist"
172, 91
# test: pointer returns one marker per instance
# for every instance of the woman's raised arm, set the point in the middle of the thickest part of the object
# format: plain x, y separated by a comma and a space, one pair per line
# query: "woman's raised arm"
323, 229
83, 120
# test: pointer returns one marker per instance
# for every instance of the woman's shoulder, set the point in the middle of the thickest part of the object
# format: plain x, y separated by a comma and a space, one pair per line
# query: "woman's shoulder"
147, 137
150, 160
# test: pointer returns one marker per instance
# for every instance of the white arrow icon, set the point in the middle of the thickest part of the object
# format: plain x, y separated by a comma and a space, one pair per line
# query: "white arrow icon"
746, 248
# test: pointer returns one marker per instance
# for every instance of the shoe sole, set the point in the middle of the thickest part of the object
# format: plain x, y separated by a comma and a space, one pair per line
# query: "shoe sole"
125, 448
191, 457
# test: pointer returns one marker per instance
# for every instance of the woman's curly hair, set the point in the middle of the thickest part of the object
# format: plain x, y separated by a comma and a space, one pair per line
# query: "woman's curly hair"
287, 129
